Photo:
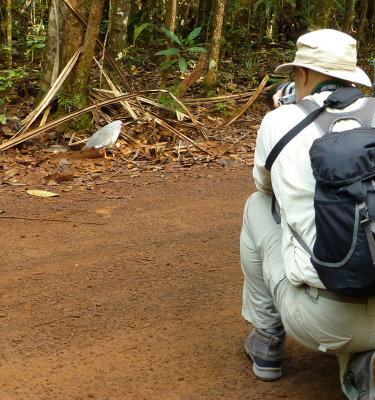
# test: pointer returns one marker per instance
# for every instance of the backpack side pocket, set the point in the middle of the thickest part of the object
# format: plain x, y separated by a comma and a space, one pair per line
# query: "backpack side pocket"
341, 254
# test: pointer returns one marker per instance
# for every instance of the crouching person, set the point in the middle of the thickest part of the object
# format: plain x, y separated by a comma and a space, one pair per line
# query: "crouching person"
283, 292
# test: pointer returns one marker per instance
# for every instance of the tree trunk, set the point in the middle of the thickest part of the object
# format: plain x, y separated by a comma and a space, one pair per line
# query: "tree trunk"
321, 14
52, 64
9, 32
170, 24
201, 13
348, 16
151, 15
72, 41
371, 23
170, 17
74, 31
190, 80
362, 21
119, 20
204, 11
217, 26
82, 71
3, 33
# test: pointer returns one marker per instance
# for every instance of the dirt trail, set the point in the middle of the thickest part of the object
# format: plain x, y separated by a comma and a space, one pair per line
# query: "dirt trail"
131, 289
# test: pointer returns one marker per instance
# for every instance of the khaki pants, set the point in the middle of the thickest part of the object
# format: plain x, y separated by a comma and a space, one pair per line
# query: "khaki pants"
269, 300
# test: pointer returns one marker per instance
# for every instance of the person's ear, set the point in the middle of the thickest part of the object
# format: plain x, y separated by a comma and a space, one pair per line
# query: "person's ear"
303, 75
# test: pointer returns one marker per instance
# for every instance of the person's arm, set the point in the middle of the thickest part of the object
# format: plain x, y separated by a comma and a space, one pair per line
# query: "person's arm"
262, 176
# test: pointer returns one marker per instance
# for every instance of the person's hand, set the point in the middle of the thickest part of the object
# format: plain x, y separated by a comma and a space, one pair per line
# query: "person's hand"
276, 97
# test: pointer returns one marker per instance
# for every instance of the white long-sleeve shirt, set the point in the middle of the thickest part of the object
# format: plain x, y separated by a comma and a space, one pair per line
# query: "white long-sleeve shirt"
292, 182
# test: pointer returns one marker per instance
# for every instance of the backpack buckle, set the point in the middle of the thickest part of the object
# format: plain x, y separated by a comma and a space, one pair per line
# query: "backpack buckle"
364, 217
365, 221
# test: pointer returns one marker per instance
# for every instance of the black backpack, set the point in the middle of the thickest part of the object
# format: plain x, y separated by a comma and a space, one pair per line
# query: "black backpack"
343, 165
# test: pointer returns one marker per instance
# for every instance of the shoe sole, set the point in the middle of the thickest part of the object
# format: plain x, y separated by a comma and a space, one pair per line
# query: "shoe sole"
372, 385
369, 392
264, 373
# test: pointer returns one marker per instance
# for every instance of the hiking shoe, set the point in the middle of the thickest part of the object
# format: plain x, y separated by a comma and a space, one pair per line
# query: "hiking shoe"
360, 373
266, 351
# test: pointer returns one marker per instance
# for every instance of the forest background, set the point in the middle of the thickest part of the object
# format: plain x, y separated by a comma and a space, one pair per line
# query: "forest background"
181, 68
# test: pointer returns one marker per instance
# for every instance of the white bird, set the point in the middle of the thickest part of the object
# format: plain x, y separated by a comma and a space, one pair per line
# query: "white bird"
104, 137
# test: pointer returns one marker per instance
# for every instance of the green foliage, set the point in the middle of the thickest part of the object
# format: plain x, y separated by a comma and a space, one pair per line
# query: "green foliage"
31, 41
71, 102
339, 6
219, 108
133, 54
8, 77
184, 52
68, 105
268, 4
197, 49
193, 34
169, 102
65, 103
171, 35
33, 44
274, 6
138, 30
182, 64
305, 12
171, 51
81, 123
4, 48
28, 42
281, 57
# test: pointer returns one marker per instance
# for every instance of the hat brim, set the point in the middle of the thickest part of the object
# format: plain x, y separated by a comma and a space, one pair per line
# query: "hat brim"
357, 76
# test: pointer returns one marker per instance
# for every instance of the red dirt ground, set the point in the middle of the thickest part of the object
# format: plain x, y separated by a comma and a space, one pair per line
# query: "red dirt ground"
128, 286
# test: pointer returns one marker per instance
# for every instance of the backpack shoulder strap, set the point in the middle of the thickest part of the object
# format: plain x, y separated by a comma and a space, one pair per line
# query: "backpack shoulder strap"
322, 121
342, 97
365, 115
339, 99
290, 135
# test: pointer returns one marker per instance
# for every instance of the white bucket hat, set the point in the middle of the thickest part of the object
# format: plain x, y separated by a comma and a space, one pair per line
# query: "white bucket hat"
330, 52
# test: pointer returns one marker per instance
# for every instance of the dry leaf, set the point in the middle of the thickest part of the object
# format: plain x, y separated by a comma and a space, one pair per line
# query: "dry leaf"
10, 174
41, 193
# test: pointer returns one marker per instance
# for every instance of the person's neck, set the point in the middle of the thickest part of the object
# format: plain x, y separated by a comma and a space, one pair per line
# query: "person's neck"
328, 85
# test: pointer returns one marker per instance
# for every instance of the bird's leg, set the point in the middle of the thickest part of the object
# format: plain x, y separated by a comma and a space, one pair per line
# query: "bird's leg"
106, 155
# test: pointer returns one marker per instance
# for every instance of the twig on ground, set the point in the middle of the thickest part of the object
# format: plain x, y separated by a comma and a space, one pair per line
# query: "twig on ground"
48, 97
50, 220
249, 102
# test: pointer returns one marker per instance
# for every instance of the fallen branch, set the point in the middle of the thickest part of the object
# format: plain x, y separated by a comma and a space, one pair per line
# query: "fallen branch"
176, 132
202, 100
28, 135
193, 120
54, 89
195, 74
50, 220
14, 141
249, 102
125, 104
155, 104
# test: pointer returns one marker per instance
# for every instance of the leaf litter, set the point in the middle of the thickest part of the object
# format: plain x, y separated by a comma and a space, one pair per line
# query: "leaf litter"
153, 138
